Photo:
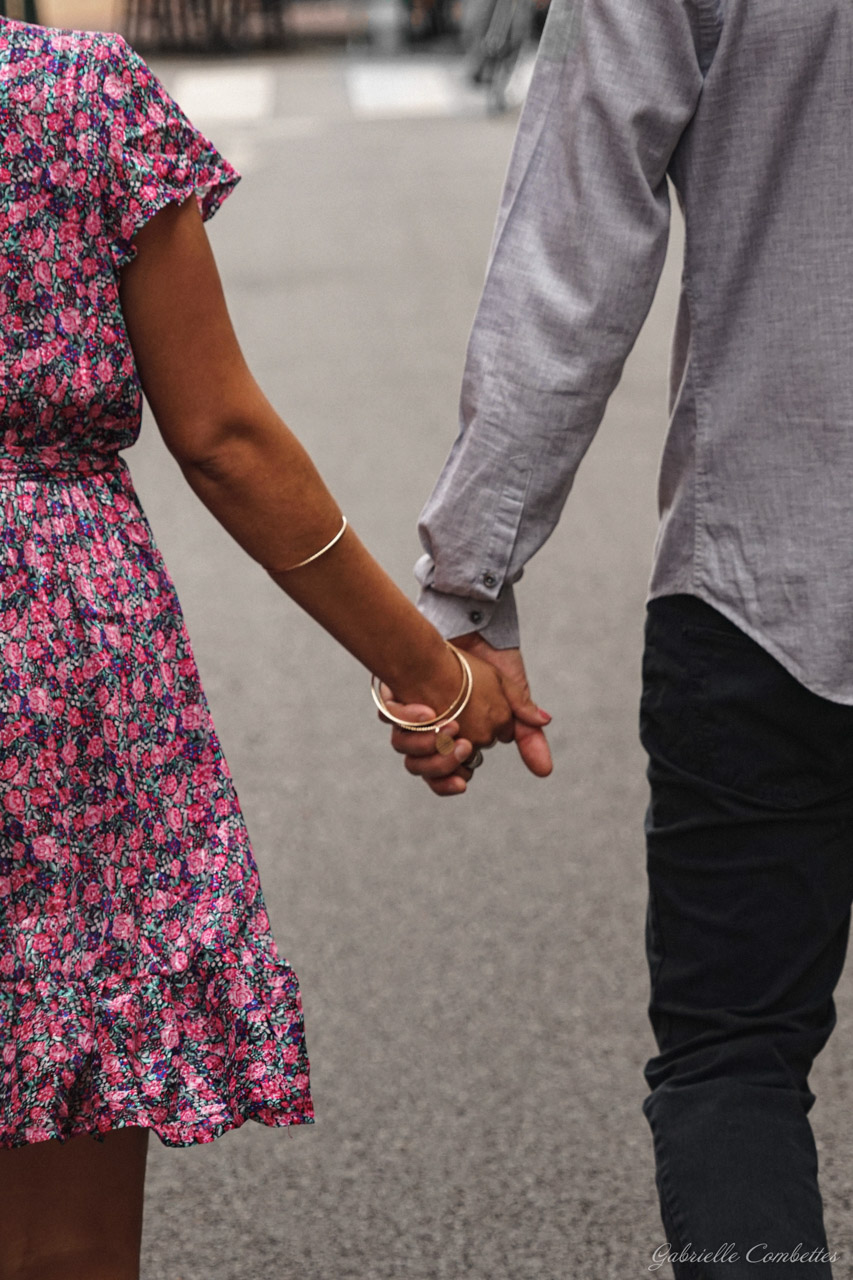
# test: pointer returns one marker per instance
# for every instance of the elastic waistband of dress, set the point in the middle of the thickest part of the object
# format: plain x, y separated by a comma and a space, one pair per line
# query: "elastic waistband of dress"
51, 464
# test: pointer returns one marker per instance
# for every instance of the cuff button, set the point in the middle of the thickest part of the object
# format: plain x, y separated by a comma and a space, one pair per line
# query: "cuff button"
489, 579
476, 615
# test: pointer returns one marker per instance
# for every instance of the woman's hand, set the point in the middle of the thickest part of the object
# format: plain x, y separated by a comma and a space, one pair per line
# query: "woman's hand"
485, 720
488, 717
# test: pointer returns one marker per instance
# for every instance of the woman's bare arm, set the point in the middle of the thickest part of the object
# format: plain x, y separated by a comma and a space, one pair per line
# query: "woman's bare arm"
259, 482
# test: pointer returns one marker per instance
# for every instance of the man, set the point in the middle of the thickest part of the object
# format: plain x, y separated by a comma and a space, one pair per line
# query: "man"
746, 108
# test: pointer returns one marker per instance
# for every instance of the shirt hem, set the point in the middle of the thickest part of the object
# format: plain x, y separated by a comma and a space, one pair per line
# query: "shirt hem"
791, 665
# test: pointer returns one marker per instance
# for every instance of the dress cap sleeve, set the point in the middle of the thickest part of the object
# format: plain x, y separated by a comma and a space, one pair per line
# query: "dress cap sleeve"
155, 156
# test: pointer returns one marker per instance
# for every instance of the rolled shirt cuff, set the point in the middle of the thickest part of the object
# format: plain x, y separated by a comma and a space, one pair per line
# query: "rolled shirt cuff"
497, 621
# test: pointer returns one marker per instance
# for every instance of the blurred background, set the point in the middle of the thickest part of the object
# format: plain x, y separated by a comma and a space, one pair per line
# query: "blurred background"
491, 32
473, 970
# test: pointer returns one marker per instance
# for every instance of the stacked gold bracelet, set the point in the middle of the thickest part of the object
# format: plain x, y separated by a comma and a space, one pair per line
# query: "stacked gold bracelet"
443, 742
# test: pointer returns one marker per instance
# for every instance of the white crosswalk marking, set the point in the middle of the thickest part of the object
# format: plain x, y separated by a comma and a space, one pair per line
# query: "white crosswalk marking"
406, 89
226, 93
402, 90
251, 109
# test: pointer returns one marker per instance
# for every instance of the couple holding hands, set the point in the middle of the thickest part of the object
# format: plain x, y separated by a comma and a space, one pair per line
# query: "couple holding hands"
140, 988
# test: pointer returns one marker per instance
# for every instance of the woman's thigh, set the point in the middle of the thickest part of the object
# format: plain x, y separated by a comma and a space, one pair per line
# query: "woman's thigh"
73, 1210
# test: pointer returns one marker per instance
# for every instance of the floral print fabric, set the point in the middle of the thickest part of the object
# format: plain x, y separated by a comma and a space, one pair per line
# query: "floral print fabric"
139, 980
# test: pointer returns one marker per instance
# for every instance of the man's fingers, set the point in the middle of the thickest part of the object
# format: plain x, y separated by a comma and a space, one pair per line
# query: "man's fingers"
523, 707
529, 719
534, 750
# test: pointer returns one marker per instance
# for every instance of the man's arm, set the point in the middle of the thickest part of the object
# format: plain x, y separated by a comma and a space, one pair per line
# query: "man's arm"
578, 250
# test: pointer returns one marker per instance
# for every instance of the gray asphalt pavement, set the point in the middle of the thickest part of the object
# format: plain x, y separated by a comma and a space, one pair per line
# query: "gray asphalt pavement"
473, 970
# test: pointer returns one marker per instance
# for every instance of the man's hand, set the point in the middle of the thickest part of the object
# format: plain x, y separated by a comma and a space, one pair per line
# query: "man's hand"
530, 720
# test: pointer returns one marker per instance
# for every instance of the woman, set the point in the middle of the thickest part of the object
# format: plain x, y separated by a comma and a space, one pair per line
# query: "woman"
140, 987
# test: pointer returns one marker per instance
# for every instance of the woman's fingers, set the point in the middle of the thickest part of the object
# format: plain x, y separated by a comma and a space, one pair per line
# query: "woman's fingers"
411, 742
438, 766
453, 786
443, 773
420, 744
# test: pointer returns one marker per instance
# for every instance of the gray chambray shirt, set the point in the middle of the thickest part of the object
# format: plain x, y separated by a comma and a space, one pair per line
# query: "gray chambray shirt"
747, 107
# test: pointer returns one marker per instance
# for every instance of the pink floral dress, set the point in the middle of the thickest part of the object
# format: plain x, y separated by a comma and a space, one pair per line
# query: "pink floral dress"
139, 981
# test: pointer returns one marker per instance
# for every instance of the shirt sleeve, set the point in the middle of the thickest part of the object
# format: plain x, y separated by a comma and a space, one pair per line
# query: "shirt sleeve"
154, 155
578, 250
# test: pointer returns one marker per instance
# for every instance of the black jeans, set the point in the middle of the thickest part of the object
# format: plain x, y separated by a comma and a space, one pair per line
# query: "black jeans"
750, 864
